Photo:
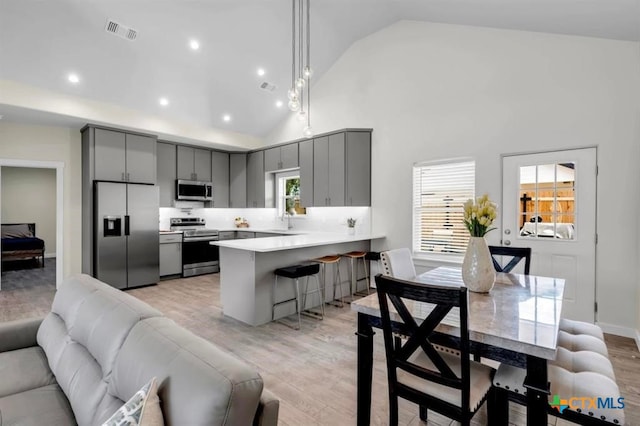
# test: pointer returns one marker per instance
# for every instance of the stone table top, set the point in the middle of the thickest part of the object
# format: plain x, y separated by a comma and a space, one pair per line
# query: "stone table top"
521, 313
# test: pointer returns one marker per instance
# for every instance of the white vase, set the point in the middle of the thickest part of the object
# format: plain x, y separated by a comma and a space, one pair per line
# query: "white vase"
478, 273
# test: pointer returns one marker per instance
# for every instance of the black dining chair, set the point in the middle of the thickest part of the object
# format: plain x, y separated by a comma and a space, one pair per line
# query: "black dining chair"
516, 254
454, 386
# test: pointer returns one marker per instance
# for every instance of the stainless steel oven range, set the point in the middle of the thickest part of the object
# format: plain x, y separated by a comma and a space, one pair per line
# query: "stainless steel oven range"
198, 256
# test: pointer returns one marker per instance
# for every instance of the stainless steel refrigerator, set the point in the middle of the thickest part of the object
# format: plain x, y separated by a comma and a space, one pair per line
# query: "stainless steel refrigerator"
126, 238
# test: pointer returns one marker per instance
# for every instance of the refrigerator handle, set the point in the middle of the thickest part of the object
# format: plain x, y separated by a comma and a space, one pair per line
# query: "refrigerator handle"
126, 225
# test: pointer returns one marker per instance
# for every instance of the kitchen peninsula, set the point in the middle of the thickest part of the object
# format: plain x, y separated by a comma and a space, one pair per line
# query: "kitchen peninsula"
246, 270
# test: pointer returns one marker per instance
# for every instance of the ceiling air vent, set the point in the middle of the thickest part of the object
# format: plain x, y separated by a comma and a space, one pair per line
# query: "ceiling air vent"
268, 87
120, 30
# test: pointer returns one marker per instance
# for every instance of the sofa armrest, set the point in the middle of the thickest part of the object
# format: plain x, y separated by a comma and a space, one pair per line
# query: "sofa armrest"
267, 414
19, 334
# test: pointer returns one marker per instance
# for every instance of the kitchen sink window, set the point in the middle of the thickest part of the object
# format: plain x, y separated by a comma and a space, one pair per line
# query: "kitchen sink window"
439, 193
288, 194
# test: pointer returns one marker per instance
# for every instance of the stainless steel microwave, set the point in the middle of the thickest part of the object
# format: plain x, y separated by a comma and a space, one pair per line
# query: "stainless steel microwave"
194, 190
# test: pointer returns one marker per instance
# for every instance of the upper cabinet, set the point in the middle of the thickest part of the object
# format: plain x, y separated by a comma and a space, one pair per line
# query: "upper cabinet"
255, 179
167, 173
220, 178
237, 180
341, 169
124, 157
281, 157
328, 170
193, 163
358, 169
306, 173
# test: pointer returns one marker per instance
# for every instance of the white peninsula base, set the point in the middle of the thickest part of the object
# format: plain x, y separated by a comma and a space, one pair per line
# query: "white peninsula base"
246, 272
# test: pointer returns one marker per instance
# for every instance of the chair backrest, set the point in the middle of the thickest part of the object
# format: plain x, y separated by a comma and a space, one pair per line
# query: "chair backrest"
516, 253
398, 263
420, 334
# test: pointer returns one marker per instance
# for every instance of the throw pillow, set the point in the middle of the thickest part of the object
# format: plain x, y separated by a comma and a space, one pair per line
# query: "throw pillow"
143, 409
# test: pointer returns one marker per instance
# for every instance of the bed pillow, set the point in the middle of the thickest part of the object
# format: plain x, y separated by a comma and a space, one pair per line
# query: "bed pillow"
16, 231
143, 409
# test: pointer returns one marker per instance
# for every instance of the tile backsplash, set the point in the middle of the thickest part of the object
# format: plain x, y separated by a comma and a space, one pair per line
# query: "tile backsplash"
321, 219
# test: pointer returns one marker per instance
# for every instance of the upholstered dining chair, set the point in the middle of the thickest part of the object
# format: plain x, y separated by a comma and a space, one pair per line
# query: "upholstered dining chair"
516, 254
398, 263
451, 385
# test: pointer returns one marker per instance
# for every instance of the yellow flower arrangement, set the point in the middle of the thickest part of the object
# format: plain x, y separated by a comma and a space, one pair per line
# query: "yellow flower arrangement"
479, 215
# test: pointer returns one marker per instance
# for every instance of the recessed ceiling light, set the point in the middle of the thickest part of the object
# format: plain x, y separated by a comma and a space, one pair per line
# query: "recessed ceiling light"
226, 117
163, 101
279, 104
194, 44
73, 78
261, 72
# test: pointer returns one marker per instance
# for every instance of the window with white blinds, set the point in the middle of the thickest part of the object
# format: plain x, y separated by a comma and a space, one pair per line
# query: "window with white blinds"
439, 192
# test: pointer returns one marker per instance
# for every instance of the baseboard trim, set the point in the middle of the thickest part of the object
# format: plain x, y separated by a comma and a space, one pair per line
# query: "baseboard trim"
618, 330
638, 339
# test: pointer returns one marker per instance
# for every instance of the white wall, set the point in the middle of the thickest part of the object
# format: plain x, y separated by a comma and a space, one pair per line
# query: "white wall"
324, 219
29, 196
436, 91
41, 143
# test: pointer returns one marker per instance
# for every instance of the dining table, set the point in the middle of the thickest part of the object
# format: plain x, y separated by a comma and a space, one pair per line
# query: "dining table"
515, 323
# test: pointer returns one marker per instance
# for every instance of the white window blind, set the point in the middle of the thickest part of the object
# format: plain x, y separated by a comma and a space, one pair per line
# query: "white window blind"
439, 192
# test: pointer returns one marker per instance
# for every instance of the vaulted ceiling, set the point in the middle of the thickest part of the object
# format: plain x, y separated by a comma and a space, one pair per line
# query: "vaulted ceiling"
42, 42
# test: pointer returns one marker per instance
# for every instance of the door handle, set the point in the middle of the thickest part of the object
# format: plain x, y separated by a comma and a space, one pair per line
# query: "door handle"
123, 179
507, 231
507, 242
126, 225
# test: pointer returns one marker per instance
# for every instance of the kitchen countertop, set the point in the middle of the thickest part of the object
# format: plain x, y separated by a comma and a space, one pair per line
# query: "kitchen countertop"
265, 231
289, 242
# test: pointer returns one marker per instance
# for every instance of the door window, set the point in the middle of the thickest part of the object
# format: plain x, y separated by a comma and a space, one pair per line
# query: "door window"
547, 201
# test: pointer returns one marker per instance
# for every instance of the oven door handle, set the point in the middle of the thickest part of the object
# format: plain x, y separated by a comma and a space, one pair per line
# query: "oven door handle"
196, 239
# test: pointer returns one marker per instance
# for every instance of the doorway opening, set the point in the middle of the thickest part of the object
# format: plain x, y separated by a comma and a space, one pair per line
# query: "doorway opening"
31, 214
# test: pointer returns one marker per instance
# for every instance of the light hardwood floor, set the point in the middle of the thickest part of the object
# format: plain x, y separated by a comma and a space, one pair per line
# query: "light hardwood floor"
312, 371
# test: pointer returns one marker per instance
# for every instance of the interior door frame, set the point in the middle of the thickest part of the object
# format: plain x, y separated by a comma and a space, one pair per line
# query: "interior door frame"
546, 151
59, 167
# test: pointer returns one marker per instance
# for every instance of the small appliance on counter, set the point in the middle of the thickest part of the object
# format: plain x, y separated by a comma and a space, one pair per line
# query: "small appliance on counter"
198, 256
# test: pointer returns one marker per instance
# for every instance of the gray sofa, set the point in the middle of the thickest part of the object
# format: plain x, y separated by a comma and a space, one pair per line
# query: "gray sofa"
98, 346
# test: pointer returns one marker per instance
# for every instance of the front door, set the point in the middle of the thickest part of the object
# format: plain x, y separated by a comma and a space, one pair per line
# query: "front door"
549, 204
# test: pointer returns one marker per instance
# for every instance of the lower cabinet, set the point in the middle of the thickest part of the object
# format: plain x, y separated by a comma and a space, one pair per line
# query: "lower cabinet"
170, 254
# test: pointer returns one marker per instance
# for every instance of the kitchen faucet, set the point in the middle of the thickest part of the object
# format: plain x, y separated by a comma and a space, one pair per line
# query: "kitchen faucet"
288, 216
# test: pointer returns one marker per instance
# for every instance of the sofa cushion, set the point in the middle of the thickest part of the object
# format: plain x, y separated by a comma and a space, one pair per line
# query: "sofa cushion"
46, 405
81, 337
198, 382
24, 369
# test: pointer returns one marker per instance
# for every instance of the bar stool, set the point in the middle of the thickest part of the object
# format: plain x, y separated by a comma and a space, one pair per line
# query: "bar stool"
295, 273
337, 280
353, 257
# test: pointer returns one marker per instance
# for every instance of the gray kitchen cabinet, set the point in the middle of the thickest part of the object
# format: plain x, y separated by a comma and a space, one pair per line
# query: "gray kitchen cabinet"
255, 179
306, 173
226, 235
281, 157
166, 173
124, 157
237, 180
170, 254
220, 178
329, 170
358, 169
193, 164
245, 234
266, 234
141, 158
